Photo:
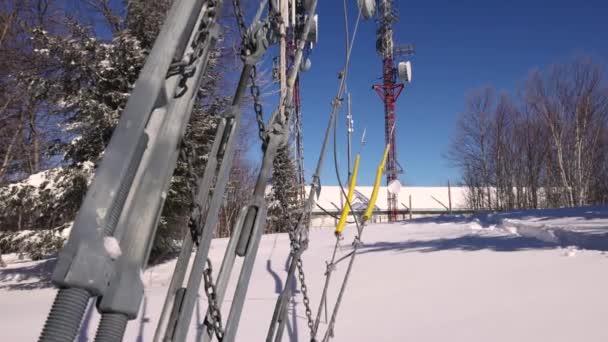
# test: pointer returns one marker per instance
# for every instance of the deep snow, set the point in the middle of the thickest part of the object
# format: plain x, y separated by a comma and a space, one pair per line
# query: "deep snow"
524, 276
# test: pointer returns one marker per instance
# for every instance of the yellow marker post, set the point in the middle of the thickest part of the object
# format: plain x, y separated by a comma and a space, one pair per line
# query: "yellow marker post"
372, 201
351, 190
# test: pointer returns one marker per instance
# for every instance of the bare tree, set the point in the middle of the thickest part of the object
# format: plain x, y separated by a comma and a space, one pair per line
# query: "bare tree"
548, 149
23, 107
470, 148
573, 104
501, 156
530, 150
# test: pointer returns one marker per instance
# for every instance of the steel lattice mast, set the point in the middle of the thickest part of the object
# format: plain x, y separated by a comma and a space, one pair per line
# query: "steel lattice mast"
298, 11
297, 142
389, 91
299, 145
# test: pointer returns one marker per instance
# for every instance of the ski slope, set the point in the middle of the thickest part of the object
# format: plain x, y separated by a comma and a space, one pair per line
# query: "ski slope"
525, 276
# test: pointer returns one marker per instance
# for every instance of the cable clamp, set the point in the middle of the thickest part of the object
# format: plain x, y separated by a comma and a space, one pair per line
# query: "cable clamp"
330, 267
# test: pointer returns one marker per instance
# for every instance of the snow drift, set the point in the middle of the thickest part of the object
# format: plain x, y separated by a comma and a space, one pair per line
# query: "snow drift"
490, 277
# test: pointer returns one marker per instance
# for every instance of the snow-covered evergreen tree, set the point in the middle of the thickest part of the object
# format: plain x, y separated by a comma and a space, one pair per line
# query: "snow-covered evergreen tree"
283, 208
85, 82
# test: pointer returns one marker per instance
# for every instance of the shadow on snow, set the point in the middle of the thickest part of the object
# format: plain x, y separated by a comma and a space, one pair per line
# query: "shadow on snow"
465, 243
33, 276
575, 232
489, 218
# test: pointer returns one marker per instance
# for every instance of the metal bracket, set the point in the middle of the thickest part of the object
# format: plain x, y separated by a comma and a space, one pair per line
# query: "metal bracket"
330, 267
259, 37
316, 184
230, 112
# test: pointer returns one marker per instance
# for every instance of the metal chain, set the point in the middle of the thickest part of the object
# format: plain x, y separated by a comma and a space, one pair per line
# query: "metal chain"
257, 105
299, 242
186, 66
186, 69
214, 319
238, 12
254, 88
305, 298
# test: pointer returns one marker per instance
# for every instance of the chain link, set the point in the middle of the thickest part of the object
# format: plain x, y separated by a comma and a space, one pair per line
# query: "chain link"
254, 88
186, 67
257, 105
299, 242
305, 298
214, 319
238, 12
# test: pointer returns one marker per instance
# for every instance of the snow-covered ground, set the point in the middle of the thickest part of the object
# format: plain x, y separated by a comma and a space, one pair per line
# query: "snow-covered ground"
524, 276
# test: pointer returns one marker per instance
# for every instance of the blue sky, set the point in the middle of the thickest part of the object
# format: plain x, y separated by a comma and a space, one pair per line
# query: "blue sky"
459, 46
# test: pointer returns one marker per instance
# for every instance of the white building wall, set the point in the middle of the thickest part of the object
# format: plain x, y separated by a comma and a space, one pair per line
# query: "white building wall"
423, 199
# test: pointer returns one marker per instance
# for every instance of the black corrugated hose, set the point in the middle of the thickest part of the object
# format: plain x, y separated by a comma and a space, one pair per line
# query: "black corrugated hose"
111, 328
63, 322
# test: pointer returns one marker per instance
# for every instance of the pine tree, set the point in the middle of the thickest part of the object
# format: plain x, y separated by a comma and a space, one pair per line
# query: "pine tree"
283, 208
85, 82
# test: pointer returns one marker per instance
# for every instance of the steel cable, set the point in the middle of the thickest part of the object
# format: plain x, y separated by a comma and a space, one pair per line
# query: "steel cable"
337, 102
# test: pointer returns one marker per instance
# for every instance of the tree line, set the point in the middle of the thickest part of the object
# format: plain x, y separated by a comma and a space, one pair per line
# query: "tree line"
545, 146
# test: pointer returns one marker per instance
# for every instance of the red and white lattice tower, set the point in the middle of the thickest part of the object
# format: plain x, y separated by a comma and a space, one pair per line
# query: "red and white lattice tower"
389, 91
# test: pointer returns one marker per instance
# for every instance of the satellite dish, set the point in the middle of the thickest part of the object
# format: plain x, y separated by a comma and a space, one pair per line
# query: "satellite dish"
313, 34
367, 7
394, 187
405, 71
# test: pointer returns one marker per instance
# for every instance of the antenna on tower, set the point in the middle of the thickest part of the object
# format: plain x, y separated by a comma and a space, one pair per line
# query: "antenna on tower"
390, 89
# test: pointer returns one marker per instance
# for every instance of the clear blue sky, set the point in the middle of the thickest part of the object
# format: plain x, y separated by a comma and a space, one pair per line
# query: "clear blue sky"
461, 45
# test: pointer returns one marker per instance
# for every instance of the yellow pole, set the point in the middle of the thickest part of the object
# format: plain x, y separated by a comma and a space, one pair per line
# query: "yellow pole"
372, 201
351, 190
